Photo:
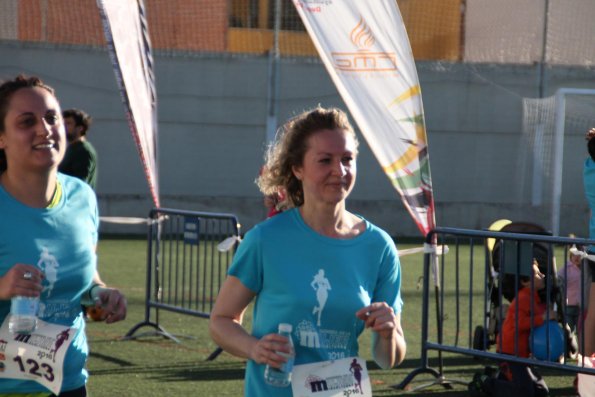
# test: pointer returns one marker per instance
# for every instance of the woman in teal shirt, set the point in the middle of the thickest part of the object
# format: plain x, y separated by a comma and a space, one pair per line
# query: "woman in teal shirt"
324, 270
48, 234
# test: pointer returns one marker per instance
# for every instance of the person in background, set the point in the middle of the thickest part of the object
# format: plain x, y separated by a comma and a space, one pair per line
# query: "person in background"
314, 162
275, 202
589, 184
569, 278
80, 159
48, 235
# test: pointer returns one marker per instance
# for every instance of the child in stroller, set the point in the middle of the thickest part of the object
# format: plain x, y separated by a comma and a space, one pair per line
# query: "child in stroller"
507, 259
527, 311
512, 262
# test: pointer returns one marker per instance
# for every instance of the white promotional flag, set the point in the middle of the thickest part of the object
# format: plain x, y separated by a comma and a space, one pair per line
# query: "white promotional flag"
129, 46
366, 51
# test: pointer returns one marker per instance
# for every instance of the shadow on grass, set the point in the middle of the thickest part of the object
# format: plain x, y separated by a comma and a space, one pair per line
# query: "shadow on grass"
112, 360
214, 371
455, 368
182, 371
200, 375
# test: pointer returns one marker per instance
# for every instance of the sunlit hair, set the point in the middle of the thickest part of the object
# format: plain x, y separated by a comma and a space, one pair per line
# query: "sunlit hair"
289, 149
80, 118
7, 89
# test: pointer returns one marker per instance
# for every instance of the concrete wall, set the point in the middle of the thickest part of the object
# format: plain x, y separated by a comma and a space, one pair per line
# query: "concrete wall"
212, 132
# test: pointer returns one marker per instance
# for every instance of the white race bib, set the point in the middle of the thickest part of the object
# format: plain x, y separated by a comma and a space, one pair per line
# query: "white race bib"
336, 378
38, 357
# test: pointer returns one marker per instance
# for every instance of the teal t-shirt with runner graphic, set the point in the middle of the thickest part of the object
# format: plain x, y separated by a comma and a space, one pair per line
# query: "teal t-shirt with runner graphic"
316, 284
60, 241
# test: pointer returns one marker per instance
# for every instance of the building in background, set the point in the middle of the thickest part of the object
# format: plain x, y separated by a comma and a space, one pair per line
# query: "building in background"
477, 62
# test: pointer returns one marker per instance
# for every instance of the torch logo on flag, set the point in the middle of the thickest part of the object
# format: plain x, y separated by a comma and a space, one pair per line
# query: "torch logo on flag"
364, 60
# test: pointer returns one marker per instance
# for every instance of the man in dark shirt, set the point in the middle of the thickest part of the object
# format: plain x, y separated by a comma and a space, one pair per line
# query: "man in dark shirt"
80, 159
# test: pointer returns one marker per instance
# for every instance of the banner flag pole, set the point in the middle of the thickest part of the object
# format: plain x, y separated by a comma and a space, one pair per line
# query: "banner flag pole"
129, 46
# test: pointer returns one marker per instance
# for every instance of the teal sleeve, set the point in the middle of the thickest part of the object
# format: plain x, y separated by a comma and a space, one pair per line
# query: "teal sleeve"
247, 262
388, 285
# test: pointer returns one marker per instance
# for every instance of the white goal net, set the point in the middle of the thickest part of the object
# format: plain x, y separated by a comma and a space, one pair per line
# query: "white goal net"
553, 148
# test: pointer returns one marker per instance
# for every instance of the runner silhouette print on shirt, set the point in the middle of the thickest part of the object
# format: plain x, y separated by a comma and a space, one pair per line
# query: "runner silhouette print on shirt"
48, 263
321, 285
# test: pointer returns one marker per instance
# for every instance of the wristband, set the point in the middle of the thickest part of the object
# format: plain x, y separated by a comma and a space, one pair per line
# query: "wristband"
91, 298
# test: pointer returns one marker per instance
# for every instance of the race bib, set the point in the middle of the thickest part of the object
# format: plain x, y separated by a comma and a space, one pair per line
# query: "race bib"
335, 378
38, 357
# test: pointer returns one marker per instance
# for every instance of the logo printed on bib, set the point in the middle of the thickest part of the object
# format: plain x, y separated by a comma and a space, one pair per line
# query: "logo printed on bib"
345, 377
39, 356
48, 345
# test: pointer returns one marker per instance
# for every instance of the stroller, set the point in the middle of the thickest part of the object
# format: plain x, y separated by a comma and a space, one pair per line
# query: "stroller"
507, 260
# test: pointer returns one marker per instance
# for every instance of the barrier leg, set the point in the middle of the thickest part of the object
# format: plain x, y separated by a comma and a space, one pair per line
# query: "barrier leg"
215, 354
158, 331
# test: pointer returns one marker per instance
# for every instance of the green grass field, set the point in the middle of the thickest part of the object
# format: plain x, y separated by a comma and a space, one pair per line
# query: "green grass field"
155, 366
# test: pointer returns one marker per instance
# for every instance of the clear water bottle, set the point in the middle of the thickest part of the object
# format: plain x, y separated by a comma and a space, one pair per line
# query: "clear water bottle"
23, 314
281, 377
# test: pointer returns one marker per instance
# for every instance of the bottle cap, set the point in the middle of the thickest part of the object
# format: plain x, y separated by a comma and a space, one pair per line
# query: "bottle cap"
284, 327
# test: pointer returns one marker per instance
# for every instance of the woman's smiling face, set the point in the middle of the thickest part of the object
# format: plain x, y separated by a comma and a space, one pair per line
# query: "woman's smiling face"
33, 136
328, 169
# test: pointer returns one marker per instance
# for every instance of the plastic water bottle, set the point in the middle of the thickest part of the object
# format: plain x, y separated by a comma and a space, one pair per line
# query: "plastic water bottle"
23, 314
281, 377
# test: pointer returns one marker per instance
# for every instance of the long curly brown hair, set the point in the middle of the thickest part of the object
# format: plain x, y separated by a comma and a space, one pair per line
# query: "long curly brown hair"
289, 149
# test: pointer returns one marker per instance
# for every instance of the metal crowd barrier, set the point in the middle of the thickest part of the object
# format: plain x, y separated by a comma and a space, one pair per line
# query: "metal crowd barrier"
188, 256
467, 306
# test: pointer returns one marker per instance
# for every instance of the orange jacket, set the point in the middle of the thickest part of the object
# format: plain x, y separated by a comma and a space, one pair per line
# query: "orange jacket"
507, 334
